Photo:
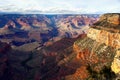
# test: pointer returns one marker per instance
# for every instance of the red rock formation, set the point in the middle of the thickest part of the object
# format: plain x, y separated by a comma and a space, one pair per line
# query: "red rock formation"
9, 25
24, 23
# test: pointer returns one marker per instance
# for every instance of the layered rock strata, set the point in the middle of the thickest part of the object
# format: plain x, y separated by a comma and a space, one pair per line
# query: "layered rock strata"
99, 50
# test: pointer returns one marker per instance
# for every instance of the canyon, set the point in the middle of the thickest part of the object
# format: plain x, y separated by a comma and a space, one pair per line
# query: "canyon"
75, 47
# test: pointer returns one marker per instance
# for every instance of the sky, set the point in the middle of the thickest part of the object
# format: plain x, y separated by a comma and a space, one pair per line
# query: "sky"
60, 6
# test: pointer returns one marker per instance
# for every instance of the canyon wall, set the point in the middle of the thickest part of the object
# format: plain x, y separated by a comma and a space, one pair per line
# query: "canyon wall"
110, 39
99, 50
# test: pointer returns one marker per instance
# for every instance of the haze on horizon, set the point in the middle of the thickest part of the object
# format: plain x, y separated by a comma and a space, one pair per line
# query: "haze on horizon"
60, 6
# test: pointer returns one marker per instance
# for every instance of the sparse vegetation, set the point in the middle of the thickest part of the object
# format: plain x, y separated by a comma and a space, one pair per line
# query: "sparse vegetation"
104, 74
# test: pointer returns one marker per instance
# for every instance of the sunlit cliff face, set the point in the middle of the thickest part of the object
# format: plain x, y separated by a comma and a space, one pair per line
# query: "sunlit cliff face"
101, 46
109, 34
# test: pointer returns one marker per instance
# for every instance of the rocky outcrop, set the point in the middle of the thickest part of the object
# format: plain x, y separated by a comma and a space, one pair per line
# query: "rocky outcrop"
112, 18
109, 22
93, 53
103, 36
116, 63
24, 24
99, 50
106, 36
10, 25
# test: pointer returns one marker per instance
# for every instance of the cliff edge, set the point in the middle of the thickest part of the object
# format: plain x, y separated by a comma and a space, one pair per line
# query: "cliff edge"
108, 33
99, 52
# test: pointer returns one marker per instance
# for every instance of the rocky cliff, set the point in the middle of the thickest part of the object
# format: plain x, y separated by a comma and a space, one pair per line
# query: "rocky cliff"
98, 53
91, 56
109, 35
